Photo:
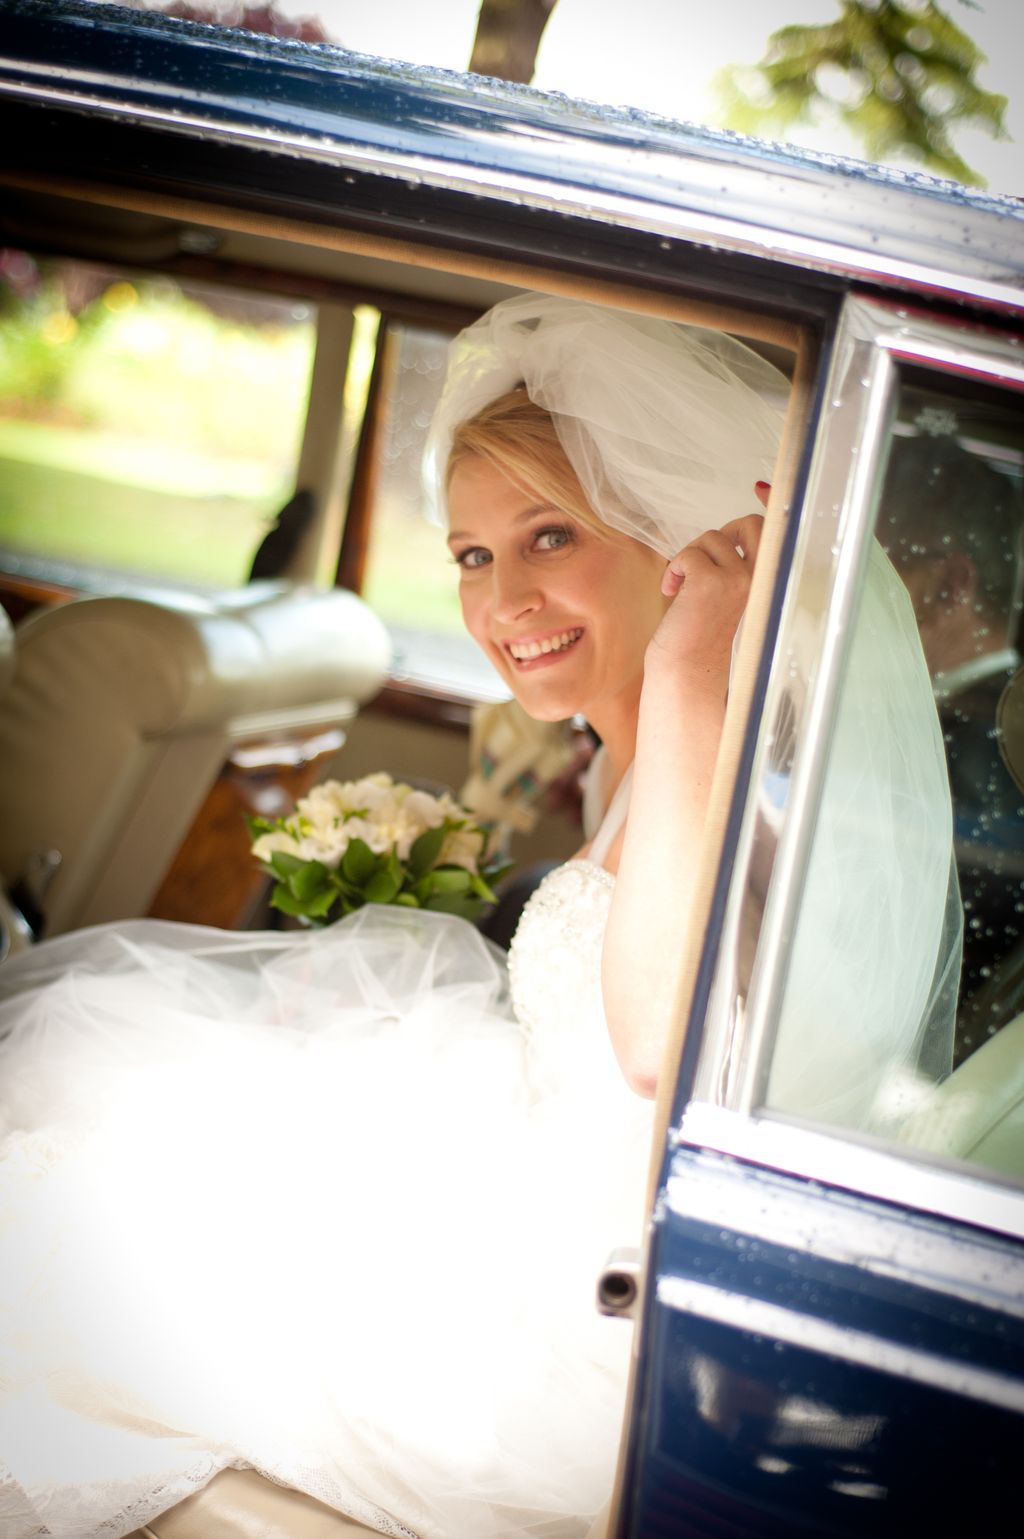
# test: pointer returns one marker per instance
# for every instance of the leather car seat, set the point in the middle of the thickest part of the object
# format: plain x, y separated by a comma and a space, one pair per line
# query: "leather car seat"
241, 1504
122, 711
13, 932
6, 651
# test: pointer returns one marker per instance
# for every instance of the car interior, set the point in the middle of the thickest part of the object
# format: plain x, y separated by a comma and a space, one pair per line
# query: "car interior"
185, 698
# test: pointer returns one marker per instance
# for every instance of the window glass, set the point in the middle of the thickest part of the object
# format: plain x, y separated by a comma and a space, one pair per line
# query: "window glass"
148, 426
410, 579
931, 1059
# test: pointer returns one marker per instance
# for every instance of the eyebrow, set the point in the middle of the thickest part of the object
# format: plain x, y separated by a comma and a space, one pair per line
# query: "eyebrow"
524, 517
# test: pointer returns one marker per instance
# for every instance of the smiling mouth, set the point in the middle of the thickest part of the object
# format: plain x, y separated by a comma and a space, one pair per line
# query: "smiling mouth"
529, 651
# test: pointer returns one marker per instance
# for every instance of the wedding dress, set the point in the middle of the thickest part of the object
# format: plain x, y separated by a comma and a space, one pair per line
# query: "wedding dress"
325, 1204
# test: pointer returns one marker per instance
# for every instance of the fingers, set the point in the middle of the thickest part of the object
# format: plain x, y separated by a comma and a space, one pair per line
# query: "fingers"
762, 491
735, 542
746, 533
714, 551
672, 578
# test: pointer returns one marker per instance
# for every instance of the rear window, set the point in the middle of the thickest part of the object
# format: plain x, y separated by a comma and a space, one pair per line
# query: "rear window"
149, 427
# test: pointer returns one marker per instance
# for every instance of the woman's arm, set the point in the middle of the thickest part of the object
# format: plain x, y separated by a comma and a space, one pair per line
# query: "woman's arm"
682, 708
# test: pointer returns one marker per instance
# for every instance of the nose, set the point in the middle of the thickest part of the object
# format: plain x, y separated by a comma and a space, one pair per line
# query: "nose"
514, 592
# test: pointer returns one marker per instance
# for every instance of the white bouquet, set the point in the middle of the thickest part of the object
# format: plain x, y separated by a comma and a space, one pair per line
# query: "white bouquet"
375, 840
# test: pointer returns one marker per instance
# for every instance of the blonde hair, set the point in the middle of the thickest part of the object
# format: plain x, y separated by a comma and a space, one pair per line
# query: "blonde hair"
521, 439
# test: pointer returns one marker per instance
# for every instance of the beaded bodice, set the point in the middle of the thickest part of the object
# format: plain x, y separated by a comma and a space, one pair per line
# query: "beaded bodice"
555, 975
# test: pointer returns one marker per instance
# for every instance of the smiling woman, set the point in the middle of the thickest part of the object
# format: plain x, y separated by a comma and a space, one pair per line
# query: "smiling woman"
565, 610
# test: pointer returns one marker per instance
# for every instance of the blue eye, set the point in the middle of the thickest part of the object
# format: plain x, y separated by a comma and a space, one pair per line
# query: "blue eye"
553, 539
469, 560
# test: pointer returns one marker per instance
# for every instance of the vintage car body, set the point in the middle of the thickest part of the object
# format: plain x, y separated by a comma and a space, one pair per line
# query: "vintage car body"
830, 1334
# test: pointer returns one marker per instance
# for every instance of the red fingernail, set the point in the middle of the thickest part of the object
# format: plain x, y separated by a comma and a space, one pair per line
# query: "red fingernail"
767, 485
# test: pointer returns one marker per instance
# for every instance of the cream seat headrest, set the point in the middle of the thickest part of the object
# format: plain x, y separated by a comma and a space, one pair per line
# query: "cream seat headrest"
6, 651
123, 709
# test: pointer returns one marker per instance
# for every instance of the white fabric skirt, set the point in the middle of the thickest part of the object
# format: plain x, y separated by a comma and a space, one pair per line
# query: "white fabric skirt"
291, 1201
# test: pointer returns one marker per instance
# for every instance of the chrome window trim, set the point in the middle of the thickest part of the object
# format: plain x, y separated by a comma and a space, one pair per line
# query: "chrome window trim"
873, 339
881, 1241
861, 1349
902, 1176
772, 195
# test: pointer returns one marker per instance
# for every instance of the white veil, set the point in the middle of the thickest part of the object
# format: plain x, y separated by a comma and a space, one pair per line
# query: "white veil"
667, 427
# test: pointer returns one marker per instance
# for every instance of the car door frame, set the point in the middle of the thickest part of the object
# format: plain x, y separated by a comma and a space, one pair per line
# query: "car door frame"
880, 1285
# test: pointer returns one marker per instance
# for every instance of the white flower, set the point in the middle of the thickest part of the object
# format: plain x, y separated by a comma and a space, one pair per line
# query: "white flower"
386, 815
376, 835
463, 847
267, 844
422, 811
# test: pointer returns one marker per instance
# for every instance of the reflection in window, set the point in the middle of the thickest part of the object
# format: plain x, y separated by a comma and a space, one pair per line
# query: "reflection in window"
147, 426
951, 519
410, 579
939, 1062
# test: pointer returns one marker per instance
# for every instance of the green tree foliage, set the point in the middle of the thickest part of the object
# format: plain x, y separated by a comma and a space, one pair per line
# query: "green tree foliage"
900, 76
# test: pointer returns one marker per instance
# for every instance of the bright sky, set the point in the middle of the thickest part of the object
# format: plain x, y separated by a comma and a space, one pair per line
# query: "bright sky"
663, 54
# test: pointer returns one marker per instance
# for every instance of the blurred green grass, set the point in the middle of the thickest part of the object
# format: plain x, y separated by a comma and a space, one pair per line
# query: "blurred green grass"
157, 523
152, 433
146, 432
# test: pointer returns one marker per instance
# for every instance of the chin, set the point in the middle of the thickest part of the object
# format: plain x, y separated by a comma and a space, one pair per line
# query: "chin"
541, 710
545, 705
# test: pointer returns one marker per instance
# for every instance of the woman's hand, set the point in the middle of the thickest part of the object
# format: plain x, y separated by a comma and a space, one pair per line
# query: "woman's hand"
708, 583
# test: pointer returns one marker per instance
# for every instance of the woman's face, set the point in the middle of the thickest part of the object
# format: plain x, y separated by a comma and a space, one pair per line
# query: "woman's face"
564, 613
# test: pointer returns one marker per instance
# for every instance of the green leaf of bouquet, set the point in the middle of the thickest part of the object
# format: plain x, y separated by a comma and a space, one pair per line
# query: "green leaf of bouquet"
257, 825
285, 865
425, 851
407, 900
382, 887
310, 880
319, 907
282, 899
358, 862
450, 879
466, 905
481, 888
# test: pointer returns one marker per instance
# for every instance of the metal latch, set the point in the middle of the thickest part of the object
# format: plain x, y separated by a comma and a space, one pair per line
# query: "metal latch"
618, 1287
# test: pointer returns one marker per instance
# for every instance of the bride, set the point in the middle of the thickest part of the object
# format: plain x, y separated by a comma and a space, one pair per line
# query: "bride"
332, 1204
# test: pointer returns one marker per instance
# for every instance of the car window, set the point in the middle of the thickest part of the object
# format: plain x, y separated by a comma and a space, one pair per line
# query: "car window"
949, 515
875, 984
149, 426
408, 576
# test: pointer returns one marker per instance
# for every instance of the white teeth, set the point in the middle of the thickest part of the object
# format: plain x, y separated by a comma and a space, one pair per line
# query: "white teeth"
525, 651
